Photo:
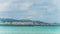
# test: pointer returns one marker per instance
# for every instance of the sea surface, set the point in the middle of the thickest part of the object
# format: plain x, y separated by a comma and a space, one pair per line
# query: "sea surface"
29, 29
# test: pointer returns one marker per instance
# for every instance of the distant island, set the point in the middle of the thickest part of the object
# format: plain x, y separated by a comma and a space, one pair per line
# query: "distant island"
24, 22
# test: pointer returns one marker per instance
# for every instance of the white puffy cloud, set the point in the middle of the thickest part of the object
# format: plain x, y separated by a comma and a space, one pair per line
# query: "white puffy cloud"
10, 5
57, 3
24, 6
4, 6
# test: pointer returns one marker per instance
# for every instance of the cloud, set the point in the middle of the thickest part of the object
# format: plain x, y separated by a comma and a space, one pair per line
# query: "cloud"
24, 6
4, 6
57, 3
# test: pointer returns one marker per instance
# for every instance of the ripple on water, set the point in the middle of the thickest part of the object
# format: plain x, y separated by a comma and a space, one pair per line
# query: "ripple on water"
29, 30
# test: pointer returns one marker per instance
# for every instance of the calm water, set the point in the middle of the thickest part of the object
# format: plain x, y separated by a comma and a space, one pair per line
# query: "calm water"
29, 30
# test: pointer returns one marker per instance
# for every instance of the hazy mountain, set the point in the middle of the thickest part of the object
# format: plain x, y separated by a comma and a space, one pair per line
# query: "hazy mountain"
25, 21
14, 20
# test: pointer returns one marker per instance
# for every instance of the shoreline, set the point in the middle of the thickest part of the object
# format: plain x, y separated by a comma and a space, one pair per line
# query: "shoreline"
26, 25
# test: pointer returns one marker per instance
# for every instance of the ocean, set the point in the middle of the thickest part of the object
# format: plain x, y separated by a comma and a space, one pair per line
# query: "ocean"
29, 29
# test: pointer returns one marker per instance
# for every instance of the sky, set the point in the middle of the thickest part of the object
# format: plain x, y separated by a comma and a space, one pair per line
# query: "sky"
42, 10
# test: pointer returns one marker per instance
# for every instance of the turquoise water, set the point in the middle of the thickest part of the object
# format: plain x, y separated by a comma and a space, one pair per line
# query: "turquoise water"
29, 29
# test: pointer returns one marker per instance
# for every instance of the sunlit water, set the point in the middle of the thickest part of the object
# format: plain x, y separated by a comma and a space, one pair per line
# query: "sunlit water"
29, 29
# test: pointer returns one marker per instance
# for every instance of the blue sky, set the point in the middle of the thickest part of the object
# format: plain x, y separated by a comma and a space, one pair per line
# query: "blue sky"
42, 10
